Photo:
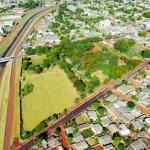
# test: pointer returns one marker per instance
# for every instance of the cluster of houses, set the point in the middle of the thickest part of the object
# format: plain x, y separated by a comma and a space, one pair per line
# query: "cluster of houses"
44, 34
114, 20
92, 129
8, 21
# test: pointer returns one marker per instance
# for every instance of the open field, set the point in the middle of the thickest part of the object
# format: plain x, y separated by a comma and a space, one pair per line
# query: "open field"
53, 92
16, 125
4, 93
99, 74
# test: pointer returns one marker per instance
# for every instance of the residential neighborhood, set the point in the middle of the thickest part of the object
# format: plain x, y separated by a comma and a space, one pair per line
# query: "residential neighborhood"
120, 120
74, 74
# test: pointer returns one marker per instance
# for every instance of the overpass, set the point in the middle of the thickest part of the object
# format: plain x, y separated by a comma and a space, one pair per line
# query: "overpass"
6, 59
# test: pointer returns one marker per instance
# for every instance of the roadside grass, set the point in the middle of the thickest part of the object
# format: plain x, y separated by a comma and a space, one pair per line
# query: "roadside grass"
4, 93
16, 122
80, 119
53, 92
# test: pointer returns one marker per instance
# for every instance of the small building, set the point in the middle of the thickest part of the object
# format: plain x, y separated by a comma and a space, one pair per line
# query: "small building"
124, 89
80, 145
71, 8
104, 140
53, 142
113, 128
109, 147
69, 130
77, 137
112, 98
147, 121
123, 130
92, 115
44, 144
138, 124
138, 145
83, 126
96, 128
105, 121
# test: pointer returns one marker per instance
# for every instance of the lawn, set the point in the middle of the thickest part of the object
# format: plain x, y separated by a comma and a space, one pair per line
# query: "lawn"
92, 141
53, 92
4, 92
80, 120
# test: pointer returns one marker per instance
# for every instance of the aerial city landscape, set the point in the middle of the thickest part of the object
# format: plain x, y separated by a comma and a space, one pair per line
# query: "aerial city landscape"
74, 74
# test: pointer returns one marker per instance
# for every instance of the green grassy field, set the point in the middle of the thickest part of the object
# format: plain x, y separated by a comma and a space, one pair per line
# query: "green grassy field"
4, 93
53, 92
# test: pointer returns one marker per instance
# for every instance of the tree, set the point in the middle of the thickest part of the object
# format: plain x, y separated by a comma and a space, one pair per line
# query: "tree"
96, 105
79, 85
57, 131
46, 63
143, 33
38, 69
146, 53
116, 141
30, 51
124, 45
27, 89
101, 110
147, 14
121, 146
131, 105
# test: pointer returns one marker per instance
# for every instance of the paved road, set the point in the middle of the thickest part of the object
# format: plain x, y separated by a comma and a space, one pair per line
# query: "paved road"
100, 93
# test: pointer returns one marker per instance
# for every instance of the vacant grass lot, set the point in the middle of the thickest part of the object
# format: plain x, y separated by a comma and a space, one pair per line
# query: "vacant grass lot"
4, 93
53, 92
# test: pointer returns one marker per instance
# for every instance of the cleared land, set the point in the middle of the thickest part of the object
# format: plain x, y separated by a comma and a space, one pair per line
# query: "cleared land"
53, 92
4, 93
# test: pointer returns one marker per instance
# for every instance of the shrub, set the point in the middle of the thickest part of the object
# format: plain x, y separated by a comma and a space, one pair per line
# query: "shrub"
143, 33
131, 105
27, 89
96, 105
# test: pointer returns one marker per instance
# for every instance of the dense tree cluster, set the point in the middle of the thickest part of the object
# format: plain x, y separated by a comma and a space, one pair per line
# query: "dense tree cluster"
147, 14
124, 45
27, 89
146, 53
29, 4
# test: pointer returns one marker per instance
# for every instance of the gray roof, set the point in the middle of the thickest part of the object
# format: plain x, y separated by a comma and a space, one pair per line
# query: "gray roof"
113, 128
81, 145
138, 145
109, 147
124, 89
112, 98
78, 137
96, 128
104, 140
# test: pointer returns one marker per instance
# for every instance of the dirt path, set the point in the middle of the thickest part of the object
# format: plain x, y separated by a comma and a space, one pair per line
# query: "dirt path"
10, 110
64, 139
